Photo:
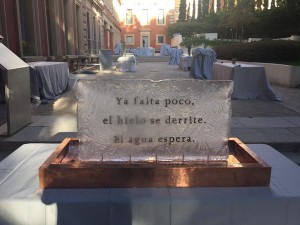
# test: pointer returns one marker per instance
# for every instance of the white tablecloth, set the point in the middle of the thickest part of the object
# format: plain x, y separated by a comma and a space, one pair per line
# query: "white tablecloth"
48, 79
127, 64
250, 81
21, 202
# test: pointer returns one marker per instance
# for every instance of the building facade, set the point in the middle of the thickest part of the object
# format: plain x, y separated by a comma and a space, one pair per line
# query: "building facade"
144, 22
59, 29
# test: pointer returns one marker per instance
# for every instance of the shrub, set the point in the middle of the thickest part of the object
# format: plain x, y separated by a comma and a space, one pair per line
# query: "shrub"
263, 51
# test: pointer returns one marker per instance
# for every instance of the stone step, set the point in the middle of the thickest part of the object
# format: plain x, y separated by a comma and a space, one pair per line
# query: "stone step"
153, 58
146, 58
4, 154
294, 156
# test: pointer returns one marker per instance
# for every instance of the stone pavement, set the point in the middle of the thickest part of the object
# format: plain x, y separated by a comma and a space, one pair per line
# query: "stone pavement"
253, 121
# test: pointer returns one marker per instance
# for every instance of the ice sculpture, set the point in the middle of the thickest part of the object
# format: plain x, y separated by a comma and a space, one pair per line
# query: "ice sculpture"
144, 120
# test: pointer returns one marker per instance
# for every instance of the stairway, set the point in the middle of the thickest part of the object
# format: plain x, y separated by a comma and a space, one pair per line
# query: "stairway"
146, 59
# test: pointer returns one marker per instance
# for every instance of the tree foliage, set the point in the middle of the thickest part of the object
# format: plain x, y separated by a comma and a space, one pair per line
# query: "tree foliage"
184, 28
199, 16
188, 13
205, 6
265, 4
247, 18
262, 51
182, 11
218, 5
194, 11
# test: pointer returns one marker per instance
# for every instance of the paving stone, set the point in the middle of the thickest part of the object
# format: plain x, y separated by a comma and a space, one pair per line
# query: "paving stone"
264, 135
264, 122
295, 131
48, 121
293, 120
294, 156
42, 134
261, 108
236, 123
4, 154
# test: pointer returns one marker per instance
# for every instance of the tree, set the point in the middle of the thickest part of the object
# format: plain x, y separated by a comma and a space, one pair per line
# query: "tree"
205, 7
182, 11
265, 4
218, 5
252, 5
247, 5
188, 13
191, 41
258, 4
211, 7
199, 16
240, 21
194, 9
272, 4
230, 4
184, 28
237, 22
295, 4
225, 4
281, 3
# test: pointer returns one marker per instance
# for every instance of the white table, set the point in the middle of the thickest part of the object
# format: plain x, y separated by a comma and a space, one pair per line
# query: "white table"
127, 64
250, 81
48, 79
21, 202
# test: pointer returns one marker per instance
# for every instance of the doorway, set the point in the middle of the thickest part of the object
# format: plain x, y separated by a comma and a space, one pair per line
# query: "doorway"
145, 41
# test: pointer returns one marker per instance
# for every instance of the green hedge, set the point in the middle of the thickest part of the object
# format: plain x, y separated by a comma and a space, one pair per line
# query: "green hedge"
262, 51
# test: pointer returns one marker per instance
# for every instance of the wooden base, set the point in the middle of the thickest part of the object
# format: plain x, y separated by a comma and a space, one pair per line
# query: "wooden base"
63, 170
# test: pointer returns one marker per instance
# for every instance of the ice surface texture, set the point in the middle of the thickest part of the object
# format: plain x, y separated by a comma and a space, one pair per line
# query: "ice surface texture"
141, 120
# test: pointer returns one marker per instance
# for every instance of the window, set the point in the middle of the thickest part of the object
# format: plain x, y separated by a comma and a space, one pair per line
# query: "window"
160, 39
48, 15
88, 31
27, 22
129, 39
144, 17
129, 18
161, 17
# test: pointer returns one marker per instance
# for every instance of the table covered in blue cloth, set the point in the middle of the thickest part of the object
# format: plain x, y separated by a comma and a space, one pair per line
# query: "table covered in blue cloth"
48, 79
250, 81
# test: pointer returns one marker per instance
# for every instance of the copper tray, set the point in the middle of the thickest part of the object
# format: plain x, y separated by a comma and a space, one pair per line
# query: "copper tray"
63, 169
